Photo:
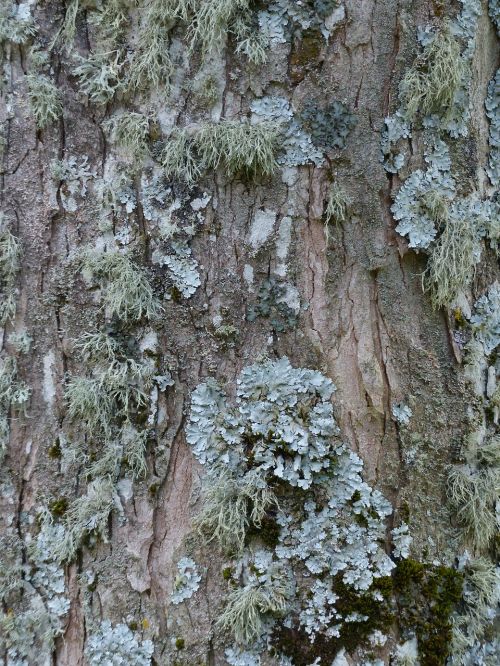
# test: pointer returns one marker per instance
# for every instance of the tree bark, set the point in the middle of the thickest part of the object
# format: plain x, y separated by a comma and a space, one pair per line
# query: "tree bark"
347, 302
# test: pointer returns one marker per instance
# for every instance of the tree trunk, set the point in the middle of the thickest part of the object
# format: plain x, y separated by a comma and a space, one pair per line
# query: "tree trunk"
192, 193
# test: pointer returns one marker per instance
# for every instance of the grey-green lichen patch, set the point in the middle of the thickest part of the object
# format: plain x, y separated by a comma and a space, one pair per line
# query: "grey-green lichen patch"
297, 146
10, 255
176, 214
278, 20
277, 475
130, 130
117, 645
430, 86
73, 176
494, 12
187, 580
328, 126
337, 207
45, 99
492, 104
476, 621
271, 302
450, 227
32, 590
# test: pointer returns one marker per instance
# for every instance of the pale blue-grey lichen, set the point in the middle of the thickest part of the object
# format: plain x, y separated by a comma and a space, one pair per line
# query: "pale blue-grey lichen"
402, 413
396, 128
187, 580
32, 591
297, 146
413, 205
117, 645
283, 430
266, 592
73, 175
16, 22
290, 447
176, 216
328, 126
401, 540
494, 12
10, 255
281, 17
485, 320
492, 104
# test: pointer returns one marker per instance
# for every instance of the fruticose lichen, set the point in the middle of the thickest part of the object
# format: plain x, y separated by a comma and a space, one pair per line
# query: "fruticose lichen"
237, 147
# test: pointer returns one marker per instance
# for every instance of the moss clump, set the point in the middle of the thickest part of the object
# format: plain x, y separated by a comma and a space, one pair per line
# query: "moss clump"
296, 643
180, 644
54, 451
268, 531
227, 573
426, 595
58, 507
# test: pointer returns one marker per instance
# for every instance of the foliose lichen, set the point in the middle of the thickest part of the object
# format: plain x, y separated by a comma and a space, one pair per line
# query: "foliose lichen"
117, 645
187, 580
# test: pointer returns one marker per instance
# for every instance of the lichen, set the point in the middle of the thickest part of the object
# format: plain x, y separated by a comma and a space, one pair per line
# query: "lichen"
128, 294
328, 126
281, 438
131, 131
74, 176
492, 104
117, 645
431, 84
187, 580
99, 76
237, 147
16, 22
44, 99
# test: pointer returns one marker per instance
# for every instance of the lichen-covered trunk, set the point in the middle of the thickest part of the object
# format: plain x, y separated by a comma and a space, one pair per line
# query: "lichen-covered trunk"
250, 317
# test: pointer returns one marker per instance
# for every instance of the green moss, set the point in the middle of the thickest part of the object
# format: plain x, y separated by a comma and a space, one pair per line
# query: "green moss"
426, 595
180, 644
227, 573
153, 489
58, 507
268, 531
54, 451
296, 644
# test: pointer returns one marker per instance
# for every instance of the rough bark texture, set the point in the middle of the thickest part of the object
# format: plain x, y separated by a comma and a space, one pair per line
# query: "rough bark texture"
363, 321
